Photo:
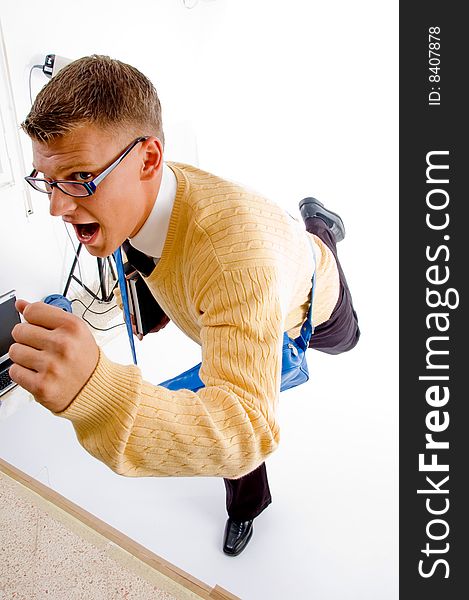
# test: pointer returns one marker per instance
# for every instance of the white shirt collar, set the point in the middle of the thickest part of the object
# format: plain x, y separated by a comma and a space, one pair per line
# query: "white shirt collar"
152, 235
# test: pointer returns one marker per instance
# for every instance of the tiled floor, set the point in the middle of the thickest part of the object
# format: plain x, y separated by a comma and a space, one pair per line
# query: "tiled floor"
45, 554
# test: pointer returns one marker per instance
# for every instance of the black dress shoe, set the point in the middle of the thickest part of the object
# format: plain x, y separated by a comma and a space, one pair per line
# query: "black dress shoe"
237, 536
310, 207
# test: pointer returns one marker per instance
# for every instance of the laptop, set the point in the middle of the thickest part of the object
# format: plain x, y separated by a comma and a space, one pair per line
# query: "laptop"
9, 317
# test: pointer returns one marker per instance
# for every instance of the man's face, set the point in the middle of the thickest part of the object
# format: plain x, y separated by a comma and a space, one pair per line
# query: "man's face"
122, 201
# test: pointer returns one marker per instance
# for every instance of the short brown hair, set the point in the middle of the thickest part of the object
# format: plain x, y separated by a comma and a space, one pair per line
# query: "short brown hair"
99, 90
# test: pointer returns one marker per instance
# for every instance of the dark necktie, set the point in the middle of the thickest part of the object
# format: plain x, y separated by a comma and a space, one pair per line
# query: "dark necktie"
140, 261
145, 265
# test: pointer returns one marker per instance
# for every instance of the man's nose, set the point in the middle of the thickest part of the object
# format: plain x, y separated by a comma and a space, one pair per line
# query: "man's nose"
60, 203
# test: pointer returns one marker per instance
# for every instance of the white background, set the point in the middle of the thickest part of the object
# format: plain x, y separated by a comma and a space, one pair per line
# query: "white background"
293, 99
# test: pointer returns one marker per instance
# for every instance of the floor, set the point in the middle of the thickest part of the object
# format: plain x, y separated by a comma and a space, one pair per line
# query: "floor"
47, 553
331, 531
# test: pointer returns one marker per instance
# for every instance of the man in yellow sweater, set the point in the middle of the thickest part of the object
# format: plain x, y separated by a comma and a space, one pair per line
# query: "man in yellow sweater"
230, 268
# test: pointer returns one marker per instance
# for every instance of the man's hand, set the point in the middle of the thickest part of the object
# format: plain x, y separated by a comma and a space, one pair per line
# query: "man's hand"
54, 354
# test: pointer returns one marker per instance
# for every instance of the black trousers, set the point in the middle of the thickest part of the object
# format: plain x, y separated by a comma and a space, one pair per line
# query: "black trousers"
248, 496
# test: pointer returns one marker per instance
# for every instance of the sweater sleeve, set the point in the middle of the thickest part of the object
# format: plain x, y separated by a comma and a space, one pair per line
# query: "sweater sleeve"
227, 428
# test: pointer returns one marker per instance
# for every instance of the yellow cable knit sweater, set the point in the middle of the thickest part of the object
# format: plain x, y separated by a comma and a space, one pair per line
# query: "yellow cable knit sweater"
235, 273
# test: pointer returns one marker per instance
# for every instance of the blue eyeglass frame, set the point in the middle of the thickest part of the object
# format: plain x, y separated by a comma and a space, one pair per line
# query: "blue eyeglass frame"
89, 186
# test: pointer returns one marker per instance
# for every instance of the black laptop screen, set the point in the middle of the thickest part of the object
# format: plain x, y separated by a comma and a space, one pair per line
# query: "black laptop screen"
9, 317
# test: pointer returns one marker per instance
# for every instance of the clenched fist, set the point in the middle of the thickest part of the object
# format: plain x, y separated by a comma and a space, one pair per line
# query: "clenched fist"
54, 354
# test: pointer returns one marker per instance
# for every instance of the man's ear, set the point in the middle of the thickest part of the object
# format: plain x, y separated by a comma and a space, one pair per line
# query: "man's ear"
152, 158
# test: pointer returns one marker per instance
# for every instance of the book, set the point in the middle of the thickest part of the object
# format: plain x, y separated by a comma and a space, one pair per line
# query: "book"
144, 308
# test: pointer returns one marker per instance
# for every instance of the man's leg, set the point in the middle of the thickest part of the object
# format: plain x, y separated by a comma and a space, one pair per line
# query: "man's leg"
246, 498
340, 332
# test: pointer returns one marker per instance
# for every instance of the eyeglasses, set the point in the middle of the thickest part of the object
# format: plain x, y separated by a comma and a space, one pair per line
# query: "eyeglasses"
75, 188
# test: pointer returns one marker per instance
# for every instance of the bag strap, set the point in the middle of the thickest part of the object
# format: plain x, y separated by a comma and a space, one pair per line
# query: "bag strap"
125, 300
307, 329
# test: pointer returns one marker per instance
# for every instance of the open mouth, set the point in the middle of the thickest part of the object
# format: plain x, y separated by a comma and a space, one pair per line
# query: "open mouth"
86, 232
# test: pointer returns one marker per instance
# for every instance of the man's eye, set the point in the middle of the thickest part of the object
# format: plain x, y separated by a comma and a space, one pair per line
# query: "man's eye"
82, 176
